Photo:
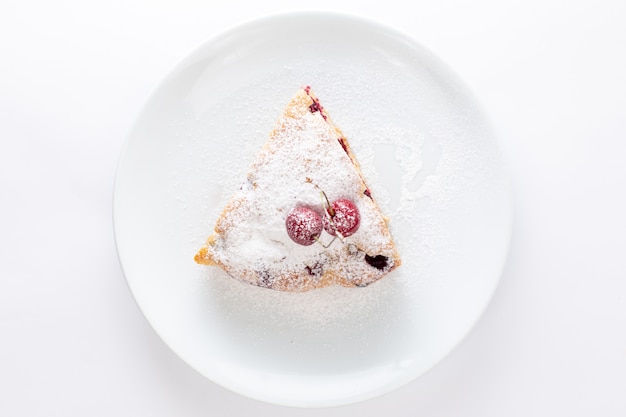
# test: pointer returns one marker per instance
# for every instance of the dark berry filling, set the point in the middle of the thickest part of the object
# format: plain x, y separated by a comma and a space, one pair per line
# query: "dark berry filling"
379, 261
342, 141
314, 107
315, 270
367, 192
265, 279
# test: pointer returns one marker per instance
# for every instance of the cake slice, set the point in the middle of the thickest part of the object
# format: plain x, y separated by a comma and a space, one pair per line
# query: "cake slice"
303, 218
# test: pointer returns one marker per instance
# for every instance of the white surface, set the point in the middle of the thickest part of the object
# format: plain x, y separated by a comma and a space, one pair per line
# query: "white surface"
549, 74
451, 218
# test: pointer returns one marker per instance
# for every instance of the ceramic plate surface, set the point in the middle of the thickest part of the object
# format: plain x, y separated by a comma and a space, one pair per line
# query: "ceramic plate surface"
431, 162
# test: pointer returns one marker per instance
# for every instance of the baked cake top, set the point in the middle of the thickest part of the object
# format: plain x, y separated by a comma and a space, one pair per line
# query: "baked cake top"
306, 165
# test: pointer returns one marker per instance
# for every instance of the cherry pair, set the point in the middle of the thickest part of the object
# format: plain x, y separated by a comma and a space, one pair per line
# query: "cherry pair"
304, 225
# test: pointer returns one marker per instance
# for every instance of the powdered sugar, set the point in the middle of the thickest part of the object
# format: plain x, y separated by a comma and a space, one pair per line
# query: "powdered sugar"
306, 155
193, 149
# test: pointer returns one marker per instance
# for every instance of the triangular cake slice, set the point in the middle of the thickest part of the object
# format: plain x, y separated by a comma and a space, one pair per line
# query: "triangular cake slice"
269, 232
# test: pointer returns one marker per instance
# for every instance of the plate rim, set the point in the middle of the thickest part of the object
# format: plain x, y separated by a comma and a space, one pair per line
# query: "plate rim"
314, 14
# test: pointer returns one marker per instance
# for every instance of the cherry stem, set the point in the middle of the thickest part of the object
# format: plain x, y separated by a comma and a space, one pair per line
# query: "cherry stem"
327, 207
329, 212
325, 246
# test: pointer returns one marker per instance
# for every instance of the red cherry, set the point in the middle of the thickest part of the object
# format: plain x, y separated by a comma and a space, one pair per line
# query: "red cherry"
303, 225
346, 219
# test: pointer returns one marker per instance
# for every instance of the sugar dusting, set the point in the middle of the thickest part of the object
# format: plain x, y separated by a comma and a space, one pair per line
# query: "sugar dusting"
384, 138
247, 307
305, 157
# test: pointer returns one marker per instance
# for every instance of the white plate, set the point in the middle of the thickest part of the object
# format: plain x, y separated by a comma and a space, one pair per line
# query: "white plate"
430, 160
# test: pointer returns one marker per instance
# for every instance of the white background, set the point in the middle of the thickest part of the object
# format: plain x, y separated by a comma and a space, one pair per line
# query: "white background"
551, 76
